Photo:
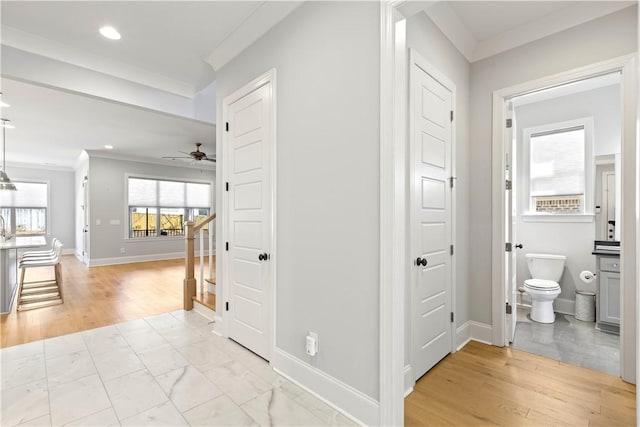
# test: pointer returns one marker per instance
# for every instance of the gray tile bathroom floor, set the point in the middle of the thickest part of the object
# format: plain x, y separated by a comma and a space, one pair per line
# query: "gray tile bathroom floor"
162, 370
569, 340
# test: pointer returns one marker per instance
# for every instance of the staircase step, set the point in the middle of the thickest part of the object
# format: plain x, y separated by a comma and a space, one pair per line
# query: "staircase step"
208, 300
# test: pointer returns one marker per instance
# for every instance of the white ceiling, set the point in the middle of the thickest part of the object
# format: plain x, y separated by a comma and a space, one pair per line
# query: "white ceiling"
70, 89
165, 44
173, 48
52, 127
480, 29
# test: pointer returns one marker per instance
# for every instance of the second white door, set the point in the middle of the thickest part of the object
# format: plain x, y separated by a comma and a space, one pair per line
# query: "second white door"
431, 109
248, 154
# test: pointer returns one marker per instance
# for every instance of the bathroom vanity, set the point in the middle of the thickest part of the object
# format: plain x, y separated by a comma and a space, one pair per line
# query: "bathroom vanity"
9, 267
608, 286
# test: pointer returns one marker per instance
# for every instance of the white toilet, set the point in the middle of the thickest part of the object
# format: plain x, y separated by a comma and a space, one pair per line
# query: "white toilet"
546, 271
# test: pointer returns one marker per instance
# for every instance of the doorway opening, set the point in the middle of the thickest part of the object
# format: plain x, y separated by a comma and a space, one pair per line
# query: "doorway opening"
556, 254
563, 276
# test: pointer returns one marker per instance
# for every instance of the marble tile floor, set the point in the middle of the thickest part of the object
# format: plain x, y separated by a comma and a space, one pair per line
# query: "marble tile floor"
569, 340
167, 370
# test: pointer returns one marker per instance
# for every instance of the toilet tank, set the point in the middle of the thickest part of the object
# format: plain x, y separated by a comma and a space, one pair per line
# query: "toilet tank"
546, 266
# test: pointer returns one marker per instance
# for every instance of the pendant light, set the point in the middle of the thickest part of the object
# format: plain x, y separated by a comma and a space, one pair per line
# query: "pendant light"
5, 181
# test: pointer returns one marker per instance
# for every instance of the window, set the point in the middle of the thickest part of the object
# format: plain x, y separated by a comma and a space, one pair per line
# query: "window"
25, 211
558, 169
161, 207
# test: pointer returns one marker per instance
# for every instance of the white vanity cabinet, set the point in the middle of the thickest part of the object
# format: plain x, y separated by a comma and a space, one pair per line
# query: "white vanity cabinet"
608, 295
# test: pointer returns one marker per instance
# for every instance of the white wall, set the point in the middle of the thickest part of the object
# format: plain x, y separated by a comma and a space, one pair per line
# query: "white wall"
428, 40
575, 240
326, 56
61, 212
107, 202
608, 37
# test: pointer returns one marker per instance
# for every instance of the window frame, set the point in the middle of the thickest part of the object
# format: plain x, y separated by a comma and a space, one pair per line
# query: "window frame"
159, 236
47, 210
530, 215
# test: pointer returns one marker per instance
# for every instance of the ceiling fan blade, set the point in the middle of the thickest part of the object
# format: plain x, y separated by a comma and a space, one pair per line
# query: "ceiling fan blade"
211, 160
175, 157
188, 154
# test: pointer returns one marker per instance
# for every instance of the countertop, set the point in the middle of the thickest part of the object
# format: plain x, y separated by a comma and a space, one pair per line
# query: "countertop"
23, 242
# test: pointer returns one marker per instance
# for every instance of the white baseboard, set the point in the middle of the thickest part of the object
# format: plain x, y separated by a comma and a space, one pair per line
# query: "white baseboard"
351, 402
409, 382
463, 335
204, 311
471, 330
131, 259
137, 258
565, 306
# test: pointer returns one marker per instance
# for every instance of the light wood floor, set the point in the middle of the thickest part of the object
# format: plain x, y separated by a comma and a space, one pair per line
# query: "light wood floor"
486, 385
98, 296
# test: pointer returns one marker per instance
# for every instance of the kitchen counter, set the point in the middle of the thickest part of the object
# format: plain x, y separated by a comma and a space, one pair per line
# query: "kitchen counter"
23, 242
9, 267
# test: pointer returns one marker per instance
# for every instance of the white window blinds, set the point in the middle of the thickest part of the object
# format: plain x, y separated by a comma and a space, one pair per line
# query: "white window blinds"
29, 195
168, 194
558, 163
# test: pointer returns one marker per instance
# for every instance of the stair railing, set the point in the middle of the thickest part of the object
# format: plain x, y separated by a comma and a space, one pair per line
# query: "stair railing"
189, 283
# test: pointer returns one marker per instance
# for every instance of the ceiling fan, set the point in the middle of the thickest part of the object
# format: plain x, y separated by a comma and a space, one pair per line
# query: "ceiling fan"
194, 155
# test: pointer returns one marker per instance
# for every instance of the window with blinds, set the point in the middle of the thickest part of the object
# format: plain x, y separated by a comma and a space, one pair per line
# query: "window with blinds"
161, 207
24, 212
558, 168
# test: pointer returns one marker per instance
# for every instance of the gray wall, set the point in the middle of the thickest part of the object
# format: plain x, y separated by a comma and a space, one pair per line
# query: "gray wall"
608, 37
61, 197
573, 239
107, 202
428, 40
326, 56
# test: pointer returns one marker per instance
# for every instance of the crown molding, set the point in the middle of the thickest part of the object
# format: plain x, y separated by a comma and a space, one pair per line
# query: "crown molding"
31, 43
445, 18
262, 20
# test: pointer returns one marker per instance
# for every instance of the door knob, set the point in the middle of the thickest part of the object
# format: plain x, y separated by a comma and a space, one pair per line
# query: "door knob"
519, 246
263, 257
421, 262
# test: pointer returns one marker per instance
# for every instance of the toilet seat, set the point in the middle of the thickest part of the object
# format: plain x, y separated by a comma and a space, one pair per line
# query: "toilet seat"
541, 285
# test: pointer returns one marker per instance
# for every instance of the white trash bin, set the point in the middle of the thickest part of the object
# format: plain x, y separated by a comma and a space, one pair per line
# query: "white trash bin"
585, 306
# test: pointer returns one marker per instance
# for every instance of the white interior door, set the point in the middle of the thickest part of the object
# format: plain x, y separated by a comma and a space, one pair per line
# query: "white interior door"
431, 147
247, 162
511, 290
85, 221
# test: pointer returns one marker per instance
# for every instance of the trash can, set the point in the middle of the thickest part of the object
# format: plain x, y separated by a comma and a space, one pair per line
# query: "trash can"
585, 306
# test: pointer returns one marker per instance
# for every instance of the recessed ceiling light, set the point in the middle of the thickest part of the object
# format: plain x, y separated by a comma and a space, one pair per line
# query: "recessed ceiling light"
109, 147
110, 33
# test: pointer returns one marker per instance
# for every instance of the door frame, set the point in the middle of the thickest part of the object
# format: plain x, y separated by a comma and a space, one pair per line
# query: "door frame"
268, 78
430, 69
627, 66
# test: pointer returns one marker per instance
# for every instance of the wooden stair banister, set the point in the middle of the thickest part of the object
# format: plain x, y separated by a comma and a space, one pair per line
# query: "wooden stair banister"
189, 283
